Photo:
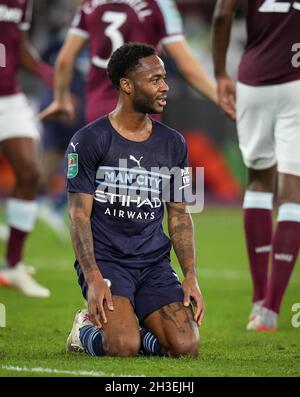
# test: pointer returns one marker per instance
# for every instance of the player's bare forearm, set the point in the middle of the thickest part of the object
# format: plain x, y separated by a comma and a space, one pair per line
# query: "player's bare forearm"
181, 231
198, 78
63, 72
65, 64
191, 70
221, 29
80, 206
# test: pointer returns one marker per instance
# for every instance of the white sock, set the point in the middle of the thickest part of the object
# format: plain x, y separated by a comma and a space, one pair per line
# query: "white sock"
263, 200
21, 214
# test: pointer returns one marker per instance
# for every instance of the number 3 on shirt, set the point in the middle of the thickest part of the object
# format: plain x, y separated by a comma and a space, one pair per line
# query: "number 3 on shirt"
278, 6
115, 20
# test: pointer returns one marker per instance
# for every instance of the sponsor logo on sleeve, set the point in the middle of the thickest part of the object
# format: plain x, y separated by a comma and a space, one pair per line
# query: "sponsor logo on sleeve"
72, 165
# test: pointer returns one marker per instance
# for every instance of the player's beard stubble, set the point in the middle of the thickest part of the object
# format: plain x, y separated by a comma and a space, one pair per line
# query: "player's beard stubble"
142, 104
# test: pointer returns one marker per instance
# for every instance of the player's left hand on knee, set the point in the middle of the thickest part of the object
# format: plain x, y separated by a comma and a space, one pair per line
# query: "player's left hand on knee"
192, 294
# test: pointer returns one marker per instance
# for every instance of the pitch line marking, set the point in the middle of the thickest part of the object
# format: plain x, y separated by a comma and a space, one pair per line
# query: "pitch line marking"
62, 371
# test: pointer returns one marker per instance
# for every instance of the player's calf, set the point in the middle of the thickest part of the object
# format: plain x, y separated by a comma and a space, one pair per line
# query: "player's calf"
85, 337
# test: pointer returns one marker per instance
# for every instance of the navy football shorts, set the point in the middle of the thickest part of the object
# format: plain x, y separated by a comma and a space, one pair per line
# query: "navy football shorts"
148, 289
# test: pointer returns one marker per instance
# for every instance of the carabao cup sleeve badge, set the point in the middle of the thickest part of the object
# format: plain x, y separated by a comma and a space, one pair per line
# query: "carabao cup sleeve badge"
72, 165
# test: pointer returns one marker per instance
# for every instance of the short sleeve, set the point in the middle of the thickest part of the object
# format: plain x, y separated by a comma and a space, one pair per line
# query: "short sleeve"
78, 25
25, 22
172, 29
82, 159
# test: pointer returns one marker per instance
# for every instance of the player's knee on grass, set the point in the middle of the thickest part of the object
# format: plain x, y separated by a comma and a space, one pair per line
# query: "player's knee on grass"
122, 345
180, 345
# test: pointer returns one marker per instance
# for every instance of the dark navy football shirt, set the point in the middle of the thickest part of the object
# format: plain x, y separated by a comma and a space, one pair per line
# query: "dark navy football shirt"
130, 182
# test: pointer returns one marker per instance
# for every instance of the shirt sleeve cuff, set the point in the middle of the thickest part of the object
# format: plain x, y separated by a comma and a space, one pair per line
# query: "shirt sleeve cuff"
79, 32
24, 26
172, 39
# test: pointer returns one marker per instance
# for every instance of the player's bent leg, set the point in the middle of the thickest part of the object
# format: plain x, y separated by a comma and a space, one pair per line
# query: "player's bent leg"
119, 336
175, 329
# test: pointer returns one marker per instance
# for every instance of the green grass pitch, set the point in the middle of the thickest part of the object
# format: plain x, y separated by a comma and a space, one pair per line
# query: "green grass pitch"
33, 341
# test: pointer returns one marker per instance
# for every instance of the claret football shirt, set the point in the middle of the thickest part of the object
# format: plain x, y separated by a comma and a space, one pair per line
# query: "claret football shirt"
273, 35
15, 16
130, 181
108, 24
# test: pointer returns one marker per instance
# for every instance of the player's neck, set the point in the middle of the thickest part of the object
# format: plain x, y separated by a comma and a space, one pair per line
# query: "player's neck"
130, 124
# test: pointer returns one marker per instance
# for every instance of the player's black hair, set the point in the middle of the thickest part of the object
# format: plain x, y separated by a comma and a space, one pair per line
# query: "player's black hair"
125, 59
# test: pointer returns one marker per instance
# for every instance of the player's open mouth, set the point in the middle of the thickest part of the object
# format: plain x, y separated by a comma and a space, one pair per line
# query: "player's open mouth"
162, 101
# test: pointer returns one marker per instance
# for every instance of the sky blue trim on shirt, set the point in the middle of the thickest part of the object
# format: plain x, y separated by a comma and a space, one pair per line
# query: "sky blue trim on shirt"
128, 186
135, 170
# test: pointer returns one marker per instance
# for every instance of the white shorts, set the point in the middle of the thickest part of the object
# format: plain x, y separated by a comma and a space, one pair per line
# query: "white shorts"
16, 118
268, 122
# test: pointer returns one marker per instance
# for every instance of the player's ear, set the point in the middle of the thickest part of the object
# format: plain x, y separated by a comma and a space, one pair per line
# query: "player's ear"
126, 86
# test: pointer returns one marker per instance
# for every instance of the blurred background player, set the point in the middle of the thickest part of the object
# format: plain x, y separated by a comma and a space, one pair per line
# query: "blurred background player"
18, 141
268, 120
108, 26
56, 135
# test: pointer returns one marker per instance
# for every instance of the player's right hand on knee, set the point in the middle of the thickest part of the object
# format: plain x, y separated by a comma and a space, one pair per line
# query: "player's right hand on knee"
98, 292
